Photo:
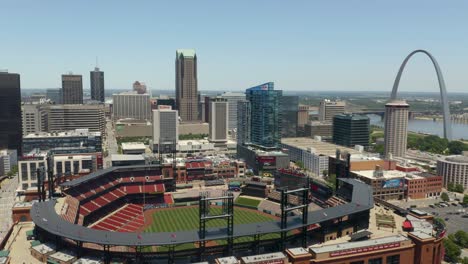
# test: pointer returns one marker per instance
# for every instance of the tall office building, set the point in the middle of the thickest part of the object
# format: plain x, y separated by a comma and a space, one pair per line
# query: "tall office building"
396, 128
131, 105
206, 109
55, 95
328, 109
187, 84
243, 122
72, 89
351, 129
289, 110
139, 87
97, 85
265, 123
219, 120
10, 112
165, 129
232, 99
31, 118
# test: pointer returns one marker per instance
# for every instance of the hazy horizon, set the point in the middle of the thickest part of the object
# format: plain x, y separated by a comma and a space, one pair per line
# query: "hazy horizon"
358, 44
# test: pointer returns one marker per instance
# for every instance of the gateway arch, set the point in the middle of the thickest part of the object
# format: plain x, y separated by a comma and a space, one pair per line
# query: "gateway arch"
443, 91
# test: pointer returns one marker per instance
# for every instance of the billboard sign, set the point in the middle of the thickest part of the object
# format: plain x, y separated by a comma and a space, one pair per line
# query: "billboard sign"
266, 161
393, 183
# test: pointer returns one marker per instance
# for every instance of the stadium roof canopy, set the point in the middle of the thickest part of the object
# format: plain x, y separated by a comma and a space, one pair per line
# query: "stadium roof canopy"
45, 217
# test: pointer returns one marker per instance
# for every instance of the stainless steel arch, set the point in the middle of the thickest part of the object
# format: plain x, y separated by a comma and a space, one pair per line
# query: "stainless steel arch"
443, 91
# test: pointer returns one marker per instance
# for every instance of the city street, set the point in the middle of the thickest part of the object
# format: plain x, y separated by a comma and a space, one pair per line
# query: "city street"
7, 199
110, 144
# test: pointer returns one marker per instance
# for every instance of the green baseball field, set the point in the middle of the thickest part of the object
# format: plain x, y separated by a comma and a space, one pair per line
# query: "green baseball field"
186, 218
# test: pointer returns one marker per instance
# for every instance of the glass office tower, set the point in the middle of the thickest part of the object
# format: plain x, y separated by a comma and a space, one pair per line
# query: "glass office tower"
265, 129
289, 111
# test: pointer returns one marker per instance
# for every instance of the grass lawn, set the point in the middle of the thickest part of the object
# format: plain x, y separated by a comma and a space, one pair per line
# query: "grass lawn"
247, 201
180, 219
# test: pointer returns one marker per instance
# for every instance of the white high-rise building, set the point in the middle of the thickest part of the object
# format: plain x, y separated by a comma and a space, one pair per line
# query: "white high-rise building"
219, 120
165, 129
232, 99
396, 128
131, 105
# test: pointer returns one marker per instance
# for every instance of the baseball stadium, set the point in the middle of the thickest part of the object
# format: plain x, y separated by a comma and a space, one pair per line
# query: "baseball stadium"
139, 214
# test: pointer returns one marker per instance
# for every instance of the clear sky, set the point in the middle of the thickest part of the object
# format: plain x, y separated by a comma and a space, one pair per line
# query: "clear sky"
300, 45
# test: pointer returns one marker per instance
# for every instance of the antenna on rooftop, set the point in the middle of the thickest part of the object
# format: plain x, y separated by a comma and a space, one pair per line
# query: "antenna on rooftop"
97, 62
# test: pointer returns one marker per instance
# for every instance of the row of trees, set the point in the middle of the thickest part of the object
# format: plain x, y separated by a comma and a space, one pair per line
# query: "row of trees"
452, 187
436, 144
453, 245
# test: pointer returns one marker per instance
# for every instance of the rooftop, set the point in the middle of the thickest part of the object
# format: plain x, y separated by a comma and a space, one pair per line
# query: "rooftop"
318, 147
264, 257
359, 244
456, 159
352, 117
187, 53
133, 146
126, 157
297, 251
227, 260
397, 103
387, 174
64, 256
262, 87
45, 248
71, 133
87, 260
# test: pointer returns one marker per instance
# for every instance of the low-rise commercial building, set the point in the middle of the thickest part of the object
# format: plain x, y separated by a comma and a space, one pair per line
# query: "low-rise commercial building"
316, 154
133, 148
127, 160
394, 184
323, 129
204, 147
263, 161
79, 140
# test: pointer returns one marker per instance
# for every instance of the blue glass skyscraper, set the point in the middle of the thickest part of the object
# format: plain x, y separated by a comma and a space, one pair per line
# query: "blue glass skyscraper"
265, 126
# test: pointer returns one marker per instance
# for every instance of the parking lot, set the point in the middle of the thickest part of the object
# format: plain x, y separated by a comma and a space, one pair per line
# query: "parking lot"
455, 221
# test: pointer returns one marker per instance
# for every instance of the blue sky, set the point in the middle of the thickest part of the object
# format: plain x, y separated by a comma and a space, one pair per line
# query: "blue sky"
300, 45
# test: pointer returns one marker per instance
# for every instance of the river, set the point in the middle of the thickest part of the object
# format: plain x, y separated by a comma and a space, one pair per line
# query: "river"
459, 131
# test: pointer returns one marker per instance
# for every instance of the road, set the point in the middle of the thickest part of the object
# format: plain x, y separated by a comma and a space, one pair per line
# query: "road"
7, 199
110, 143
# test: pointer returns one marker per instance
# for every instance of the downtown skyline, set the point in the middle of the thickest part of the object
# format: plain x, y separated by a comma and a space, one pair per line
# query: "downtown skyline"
359, 47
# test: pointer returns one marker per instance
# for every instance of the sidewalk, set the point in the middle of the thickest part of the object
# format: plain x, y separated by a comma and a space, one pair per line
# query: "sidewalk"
19, 246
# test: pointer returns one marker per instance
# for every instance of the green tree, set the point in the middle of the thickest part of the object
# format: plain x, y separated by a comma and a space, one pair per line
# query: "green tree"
438, 220
300, 164
331, 179
379, 149
444, 196
461, 238
456, 147
459, 188
452, 251
464, 260
325, 173
13, 171
451, 186
465, 199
